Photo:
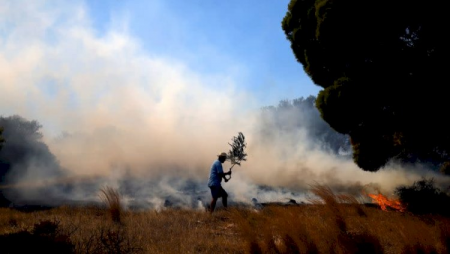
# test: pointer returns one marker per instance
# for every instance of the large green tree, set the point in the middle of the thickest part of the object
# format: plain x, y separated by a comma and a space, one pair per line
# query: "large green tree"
383, 67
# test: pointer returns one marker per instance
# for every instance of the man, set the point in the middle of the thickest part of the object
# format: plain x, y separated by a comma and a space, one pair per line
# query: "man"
214, 183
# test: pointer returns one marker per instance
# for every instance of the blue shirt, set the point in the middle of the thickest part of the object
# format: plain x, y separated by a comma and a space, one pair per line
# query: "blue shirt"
214, 176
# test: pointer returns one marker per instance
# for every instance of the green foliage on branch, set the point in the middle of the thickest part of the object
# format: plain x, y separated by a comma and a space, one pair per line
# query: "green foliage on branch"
383, 68
237, 152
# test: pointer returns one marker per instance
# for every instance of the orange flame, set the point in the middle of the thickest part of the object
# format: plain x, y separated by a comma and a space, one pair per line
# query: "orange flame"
384, 202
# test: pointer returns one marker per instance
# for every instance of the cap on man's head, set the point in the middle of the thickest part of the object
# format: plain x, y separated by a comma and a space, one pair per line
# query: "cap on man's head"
222, 155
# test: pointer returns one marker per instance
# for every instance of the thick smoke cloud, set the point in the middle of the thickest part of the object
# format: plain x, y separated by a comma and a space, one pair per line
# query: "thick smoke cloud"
301, 114
115, 114
297, 149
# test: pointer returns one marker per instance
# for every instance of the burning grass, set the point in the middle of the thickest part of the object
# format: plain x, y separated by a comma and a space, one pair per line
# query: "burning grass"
332, 224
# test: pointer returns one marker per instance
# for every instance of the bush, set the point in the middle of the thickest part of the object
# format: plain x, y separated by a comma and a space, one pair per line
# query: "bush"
423, 197
445, 168
44, 238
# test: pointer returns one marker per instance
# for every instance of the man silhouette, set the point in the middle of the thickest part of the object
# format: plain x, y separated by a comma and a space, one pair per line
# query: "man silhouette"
214, 183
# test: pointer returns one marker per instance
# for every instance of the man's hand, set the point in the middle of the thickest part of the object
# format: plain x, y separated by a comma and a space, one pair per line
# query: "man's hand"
225, 174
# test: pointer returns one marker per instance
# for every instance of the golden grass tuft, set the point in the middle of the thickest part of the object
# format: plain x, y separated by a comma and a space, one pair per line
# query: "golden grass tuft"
111, 198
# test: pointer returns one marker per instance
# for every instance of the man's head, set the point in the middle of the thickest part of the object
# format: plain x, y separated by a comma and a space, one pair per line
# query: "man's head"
222, 157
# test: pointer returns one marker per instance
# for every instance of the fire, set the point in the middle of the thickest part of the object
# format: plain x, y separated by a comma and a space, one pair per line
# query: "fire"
384, 202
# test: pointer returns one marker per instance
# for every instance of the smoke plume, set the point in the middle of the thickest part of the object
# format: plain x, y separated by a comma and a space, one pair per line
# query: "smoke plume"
114, 113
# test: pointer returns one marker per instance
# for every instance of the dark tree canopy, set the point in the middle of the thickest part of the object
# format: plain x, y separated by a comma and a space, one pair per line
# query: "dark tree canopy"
2, 140
383, 67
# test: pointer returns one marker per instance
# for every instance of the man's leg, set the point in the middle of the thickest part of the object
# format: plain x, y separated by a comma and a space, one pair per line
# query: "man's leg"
224, 198
224, 201
215, 193
213, 205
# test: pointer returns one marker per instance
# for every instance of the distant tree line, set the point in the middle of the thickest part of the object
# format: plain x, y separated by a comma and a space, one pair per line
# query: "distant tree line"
2, 140
288, 117
23, 152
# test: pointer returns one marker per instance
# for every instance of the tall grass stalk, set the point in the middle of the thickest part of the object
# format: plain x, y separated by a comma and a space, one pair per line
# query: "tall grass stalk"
111, 198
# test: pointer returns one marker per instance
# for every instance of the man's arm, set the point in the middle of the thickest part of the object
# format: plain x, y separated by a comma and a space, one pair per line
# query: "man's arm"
220, 172
224, 174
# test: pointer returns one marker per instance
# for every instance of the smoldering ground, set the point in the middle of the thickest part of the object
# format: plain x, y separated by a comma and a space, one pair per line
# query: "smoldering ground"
116, 114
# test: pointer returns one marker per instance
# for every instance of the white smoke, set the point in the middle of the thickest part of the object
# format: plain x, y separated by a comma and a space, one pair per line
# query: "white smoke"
112, 110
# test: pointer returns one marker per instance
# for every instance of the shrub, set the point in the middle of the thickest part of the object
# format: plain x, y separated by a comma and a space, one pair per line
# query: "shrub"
44, 238
445, 168
424, 197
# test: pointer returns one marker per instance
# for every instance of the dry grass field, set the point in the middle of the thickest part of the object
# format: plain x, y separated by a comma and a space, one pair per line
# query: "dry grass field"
331, 224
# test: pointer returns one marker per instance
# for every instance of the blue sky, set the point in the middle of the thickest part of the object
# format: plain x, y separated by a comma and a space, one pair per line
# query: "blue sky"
212, 37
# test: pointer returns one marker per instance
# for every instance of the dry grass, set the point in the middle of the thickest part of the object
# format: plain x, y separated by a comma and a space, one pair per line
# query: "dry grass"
111, 198
325, 227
